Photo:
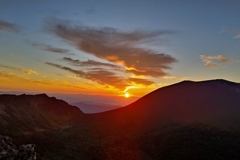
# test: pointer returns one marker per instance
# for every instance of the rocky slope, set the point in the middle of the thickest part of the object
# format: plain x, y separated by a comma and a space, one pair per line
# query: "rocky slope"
9, 151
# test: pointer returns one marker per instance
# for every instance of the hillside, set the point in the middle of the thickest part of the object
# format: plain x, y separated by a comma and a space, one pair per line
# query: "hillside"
187, 120
27, 113
215, 103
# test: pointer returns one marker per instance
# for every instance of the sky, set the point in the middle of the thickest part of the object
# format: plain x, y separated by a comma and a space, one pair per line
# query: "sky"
115, 48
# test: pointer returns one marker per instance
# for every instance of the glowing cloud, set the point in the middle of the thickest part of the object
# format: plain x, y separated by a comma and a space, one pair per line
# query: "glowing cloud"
144, 82
209, 60
27, 71
129, 87
99, 75
118, 47
237, 36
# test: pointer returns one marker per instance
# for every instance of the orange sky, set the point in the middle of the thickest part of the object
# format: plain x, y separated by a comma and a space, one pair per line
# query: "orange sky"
15, 81
114, 48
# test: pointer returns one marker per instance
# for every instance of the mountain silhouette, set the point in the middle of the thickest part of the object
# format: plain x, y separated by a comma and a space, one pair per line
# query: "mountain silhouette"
35, 112
187, 120
215, 103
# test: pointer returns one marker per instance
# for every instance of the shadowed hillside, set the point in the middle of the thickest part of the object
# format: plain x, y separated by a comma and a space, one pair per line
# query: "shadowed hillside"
187, 120
215, 103
26, 113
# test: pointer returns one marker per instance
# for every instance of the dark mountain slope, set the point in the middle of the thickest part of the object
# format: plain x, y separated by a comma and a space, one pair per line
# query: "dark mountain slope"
28, 113
188, 120
215, 103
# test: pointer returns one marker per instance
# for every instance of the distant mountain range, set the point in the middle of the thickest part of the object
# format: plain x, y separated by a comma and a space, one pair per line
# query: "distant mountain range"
86, 103
90, 107
187, 120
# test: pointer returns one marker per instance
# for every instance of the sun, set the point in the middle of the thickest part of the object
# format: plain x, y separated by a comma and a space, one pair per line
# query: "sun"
127, 95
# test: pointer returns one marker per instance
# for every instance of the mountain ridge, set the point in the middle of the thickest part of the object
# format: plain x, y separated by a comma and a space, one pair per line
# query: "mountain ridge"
35, 112
187, 120
214, 102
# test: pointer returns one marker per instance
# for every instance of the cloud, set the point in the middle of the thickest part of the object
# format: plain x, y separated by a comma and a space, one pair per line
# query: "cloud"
218, 57
27, 71
101, 76
175, 77
231, 30
129, 87
30, 72
91, 11
144, 82
89, 63
104, 77
49, 48
210, 64
9, 27
6, 75
118, 47
57, 50
209, 60
223, 58
152, 72
237, 36
21, 78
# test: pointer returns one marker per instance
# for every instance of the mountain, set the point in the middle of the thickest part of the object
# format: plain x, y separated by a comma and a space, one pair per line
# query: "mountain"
187, 120
215, 103
95, 108
94, 103
86, 103
35, 112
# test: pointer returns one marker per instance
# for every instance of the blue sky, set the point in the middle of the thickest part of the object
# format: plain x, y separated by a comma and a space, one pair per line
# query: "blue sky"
188, 40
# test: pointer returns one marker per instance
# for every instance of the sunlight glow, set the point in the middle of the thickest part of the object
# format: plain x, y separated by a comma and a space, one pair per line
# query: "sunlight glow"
129, 87
127, 95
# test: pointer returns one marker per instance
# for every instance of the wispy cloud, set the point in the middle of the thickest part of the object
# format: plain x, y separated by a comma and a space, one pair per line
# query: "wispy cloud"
210, 61
89, 63
237, 36
27, 71
8, 27
105, 77
232, 30
90, 11
49, 48
101, 76
218, 57
144, 82
118, 47
20, 78
6, 75
175, 77
150, 72
57, 50
17, 77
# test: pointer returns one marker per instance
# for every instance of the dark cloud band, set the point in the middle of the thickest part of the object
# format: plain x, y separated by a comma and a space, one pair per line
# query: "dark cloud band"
118, 47
9, 27
89, 63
